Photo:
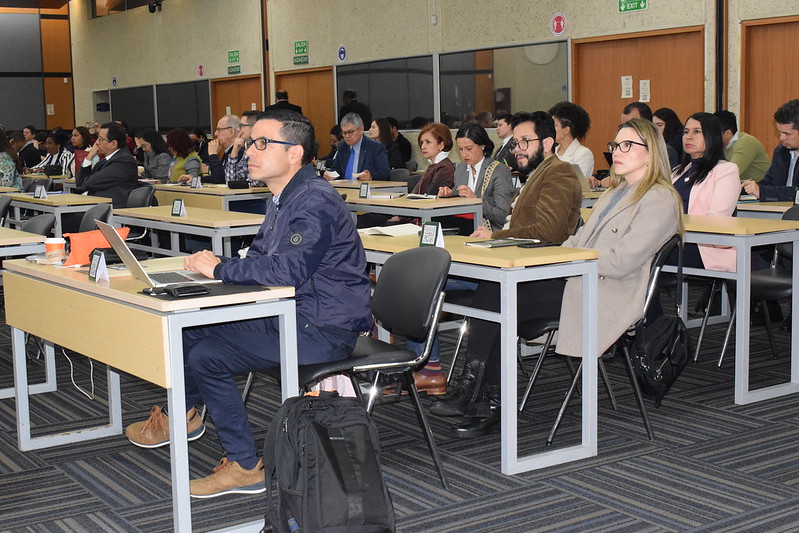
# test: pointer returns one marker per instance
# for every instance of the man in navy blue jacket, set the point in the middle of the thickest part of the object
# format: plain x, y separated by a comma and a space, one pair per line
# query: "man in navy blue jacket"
782, 178
307, 241
358, 157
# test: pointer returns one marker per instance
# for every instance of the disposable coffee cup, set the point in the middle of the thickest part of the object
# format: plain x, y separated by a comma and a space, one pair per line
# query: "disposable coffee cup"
55, 249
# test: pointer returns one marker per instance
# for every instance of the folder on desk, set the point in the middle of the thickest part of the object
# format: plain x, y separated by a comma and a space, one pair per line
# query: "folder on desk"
500, 243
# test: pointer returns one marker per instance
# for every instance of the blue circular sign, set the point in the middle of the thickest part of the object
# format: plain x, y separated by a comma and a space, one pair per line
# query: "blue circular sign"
342, 53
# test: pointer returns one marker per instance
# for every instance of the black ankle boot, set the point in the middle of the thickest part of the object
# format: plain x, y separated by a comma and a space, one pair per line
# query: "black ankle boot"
464, 393
484, 416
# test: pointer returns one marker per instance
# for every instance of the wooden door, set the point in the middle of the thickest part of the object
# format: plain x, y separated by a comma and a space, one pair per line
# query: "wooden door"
312, 89
236, 95
768, 75
673, 61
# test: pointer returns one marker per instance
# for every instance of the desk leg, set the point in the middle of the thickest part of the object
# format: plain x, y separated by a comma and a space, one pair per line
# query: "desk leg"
743, 281
289, 376
508, 303
174, 239
24, 439
58, 230
49, 384
178, 443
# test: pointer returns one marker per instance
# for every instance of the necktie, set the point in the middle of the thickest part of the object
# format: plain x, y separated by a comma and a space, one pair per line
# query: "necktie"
350, 161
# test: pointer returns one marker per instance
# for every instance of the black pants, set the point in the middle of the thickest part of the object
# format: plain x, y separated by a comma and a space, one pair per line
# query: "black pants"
536, 299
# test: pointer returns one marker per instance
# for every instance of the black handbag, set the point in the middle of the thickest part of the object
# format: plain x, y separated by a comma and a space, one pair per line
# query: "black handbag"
661, 349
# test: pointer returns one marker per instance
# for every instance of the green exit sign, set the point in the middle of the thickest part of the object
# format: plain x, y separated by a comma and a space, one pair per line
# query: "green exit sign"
632, 5
300, 48
233, 56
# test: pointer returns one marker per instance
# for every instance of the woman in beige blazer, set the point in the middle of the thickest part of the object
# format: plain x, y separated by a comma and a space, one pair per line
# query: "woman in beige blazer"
628, 224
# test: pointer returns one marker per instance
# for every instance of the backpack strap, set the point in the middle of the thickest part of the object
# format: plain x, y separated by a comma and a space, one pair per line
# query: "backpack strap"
270, 517
336, 445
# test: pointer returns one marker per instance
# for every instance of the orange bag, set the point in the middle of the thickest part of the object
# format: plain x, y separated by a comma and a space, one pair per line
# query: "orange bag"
82, 244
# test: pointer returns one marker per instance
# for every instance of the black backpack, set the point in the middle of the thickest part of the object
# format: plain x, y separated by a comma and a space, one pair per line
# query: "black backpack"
660, 353
324, 454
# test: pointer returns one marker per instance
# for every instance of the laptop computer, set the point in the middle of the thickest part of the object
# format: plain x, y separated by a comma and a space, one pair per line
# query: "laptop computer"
154, 279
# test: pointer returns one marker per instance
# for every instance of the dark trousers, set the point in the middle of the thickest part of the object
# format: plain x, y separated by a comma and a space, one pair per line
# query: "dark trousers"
213, 355
536, 299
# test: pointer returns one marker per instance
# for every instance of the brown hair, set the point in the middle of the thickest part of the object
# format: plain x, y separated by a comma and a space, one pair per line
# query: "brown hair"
440, 132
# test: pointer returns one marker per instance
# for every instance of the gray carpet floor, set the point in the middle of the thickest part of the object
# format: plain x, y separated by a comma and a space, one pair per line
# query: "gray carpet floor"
713, 466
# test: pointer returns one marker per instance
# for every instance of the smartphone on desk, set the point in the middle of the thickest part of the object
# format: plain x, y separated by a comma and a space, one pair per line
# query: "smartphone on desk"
539, 245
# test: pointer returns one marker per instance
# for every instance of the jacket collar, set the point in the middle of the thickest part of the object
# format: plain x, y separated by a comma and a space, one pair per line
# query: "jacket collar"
304, 174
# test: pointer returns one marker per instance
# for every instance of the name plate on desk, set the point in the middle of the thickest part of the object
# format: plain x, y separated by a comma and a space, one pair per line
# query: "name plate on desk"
196, 183
178, 208
40, 192
364, 191
432, 235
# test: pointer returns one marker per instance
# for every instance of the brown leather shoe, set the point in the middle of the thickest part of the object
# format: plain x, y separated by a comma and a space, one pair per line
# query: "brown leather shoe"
434, 384
154, 432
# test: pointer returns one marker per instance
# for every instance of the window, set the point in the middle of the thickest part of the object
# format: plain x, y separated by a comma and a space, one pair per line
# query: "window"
101, 8
399, 88
480, 83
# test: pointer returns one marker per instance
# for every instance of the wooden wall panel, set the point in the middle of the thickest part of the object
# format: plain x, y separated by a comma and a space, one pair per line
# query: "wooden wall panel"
672, 60
484, 83
312, 90
767, 81
237, 93
61, 96
55, 45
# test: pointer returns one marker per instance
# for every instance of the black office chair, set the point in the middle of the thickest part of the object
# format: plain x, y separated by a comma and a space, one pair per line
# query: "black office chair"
101, 212
141, 197
399, 174
5, 204
411, 165
624, 344
40, 224
406, 304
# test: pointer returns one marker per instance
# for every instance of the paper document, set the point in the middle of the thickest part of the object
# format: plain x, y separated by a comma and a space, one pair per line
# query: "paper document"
499, 243
421, 197
398, 230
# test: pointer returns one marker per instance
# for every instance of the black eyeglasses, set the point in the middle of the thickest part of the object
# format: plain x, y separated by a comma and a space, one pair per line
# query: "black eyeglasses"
262, 142
623, 146
522, 144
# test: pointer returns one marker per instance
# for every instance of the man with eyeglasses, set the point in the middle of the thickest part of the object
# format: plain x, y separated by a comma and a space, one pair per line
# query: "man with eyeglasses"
307, 241
546, 208
115, 175
236, 168
358, 157
219, 148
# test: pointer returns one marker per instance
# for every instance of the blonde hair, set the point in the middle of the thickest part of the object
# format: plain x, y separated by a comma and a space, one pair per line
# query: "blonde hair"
657, 170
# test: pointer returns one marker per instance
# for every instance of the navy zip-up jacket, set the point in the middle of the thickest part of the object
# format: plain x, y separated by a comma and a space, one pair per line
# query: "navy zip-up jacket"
308, 241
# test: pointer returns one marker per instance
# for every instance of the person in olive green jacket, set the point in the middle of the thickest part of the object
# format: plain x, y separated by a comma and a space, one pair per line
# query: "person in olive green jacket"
742, 149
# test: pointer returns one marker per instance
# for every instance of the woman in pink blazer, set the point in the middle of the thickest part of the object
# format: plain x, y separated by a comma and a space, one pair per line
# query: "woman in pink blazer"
708, 185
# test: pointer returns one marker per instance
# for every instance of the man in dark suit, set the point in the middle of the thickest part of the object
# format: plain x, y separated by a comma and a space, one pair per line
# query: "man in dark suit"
504, 153
782, 177
358, 157
398, 138
352, 105
116, 175
282, 98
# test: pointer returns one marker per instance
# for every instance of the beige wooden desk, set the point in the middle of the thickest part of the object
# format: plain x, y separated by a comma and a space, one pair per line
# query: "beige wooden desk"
423, 209
772, 210
352, 186
55, 203
211, 196
134, 333
8, 189
216, 224
14, 243
590, 198
510, 266
743, 234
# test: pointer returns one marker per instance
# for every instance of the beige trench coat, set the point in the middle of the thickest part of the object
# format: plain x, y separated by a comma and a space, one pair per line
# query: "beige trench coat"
627, 240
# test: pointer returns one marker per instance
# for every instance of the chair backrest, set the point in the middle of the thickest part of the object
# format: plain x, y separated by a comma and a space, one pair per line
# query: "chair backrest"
657, 265
411, 165
101, 212
30, 186
408, 290
141, 196
40, 224
5, 203
785, 249
399, 174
